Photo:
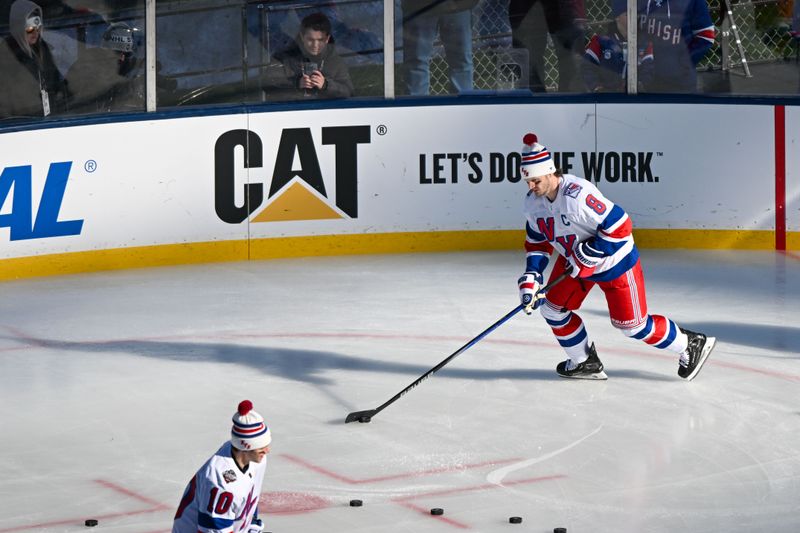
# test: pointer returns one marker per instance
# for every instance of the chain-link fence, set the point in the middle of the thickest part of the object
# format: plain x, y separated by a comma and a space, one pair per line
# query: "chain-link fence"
763, 28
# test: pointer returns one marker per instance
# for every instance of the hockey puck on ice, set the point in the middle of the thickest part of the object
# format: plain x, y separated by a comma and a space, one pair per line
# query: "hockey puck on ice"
437, 511
364, 419
515, 520
560, 530
356, 503
90, 522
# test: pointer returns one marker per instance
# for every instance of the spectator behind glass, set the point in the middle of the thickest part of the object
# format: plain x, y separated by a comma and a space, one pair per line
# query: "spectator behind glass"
50, 9
108, 77
422, 21
30, 82
606, 65
681, 32
310, 67
564, 20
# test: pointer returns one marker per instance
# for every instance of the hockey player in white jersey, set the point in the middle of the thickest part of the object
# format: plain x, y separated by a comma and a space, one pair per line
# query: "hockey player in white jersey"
223, 495
592, 235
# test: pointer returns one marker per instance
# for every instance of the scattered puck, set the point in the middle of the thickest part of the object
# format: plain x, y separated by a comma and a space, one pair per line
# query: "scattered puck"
560, 530
515, 520
436, 511
356, 503
364, 419
90, 522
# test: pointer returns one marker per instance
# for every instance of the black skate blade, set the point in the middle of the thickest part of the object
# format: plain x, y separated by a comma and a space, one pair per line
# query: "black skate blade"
709, 345
599, 376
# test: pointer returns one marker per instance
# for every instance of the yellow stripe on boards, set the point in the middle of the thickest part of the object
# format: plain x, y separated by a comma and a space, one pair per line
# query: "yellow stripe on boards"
387, 243
122, 258
705, 239
370, 243
793, 240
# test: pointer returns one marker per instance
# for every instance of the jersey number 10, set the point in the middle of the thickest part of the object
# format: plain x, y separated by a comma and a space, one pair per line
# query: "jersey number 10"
223, 503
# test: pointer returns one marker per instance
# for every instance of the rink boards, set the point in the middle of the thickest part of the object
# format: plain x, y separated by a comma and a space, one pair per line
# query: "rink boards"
379, 180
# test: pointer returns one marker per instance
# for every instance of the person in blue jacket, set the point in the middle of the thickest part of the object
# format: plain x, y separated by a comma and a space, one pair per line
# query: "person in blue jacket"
682, 33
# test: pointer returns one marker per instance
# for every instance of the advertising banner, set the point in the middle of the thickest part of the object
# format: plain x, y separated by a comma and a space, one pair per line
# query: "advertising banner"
449, 170
696, 167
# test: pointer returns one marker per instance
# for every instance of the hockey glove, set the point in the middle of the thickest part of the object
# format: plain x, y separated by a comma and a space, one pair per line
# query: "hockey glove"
584, 259
256, 526
529, 285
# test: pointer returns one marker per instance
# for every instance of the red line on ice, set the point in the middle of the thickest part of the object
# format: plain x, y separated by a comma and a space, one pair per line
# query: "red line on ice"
130, 493
405, 501
156, 506
78, 522
427, 513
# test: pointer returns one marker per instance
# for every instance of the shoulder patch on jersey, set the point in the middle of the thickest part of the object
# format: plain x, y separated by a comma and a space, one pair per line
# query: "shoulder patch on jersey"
572, 190
229, 476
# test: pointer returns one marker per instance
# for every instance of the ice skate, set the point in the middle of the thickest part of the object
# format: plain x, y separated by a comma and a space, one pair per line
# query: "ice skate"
696, 354
592, 368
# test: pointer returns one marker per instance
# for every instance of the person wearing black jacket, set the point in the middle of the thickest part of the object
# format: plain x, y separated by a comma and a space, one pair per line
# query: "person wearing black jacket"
310, 67
564, 20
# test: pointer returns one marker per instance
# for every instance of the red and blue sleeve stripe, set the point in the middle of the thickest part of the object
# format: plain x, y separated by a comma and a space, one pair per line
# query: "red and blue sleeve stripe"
537, 249
613, 232
592, 52
214, 522
612, 224
701, 42
647, 53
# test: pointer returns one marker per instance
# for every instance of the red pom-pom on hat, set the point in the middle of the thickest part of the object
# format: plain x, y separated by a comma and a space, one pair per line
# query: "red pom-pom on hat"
245, 407
530, 139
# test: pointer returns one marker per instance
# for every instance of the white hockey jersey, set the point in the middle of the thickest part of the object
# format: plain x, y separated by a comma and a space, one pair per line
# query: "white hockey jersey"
220, 497
579, 213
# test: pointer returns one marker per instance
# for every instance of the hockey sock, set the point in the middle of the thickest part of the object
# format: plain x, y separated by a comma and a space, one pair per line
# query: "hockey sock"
569, 331
660, 332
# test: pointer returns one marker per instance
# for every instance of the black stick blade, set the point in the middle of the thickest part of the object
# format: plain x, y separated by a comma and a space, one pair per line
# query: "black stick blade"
360, 416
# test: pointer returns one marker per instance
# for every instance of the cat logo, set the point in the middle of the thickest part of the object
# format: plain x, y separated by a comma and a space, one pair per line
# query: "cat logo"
294, 193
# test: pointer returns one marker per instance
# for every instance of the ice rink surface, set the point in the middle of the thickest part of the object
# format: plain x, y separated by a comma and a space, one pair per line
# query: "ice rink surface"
115, 387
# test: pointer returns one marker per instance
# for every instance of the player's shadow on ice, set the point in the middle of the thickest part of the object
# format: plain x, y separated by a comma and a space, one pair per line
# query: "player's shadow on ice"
767, 337
308, 366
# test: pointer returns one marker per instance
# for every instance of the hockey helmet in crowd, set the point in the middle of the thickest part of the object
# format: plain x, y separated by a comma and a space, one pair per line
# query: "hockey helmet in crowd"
119, 37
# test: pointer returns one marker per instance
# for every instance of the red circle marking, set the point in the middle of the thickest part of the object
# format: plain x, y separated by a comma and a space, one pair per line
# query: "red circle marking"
290, 503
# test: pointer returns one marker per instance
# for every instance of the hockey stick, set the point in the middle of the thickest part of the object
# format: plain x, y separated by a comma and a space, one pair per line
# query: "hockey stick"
366, 416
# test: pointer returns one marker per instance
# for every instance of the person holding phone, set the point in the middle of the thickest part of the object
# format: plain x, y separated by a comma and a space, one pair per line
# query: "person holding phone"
311, 66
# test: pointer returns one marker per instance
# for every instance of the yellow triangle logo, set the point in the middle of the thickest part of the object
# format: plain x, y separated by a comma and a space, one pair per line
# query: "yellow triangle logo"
296, 203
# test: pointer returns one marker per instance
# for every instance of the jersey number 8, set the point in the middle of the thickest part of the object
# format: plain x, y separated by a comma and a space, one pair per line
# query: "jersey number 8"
596, 205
